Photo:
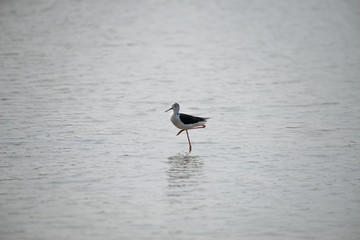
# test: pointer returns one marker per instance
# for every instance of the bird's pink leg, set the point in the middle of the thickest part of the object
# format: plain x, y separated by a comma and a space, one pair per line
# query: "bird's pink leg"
188, 140
179, 132
202, 126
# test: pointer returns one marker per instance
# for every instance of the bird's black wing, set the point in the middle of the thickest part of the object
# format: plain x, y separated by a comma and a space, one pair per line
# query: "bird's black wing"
188, 119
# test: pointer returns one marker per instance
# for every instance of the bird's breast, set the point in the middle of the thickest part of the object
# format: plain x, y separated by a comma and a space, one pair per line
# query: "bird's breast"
176, 121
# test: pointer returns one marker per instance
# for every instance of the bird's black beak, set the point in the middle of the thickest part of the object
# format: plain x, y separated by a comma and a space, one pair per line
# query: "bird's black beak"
168, 109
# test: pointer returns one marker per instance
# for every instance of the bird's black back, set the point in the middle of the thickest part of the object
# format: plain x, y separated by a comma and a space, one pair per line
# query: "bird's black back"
188, 119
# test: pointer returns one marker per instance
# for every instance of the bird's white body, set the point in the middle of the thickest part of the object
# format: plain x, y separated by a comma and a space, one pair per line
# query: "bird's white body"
175, 119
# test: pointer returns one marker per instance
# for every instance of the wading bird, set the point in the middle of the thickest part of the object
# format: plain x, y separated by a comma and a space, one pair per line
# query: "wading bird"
185, 122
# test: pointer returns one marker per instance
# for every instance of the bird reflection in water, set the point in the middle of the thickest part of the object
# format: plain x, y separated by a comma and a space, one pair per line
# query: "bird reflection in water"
184, 172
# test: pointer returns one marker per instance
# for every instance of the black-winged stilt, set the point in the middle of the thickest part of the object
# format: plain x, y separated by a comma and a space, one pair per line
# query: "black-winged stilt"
185, 122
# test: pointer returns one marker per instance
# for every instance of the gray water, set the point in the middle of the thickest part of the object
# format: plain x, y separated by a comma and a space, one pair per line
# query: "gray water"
87, 152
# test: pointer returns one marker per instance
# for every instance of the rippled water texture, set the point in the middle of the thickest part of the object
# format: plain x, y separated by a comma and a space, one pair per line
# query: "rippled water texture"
87, 152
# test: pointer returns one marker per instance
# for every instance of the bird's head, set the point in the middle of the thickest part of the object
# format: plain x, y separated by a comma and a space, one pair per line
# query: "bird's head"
175, 107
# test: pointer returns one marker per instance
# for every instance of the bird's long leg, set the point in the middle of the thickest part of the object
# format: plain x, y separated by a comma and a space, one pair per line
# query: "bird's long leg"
188, 140
179, 132
202, 126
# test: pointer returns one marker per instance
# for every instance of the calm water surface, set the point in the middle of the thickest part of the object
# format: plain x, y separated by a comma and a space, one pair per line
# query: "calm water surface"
87, 152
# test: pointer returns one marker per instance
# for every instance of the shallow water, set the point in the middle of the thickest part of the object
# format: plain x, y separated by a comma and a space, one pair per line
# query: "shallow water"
87, 152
